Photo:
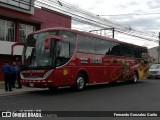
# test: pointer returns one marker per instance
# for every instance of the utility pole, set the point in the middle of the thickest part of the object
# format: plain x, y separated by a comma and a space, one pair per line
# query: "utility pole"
113, 32
158, 47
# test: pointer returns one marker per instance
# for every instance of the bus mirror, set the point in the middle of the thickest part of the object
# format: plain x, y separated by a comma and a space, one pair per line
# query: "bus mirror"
48, 39
16, 44
47, 44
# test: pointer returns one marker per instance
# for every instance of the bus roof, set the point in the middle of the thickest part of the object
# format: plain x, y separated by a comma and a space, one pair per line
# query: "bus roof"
86, 33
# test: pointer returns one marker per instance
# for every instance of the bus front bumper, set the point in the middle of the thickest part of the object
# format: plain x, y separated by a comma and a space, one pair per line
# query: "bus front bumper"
37, 84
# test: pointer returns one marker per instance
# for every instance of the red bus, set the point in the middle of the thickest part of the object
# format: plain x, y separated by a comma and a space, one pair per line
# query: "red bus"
58, 57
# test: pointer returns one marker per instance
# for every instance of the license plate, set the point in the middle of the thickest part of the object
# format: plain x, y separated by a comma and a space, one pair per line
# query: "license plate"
31, 84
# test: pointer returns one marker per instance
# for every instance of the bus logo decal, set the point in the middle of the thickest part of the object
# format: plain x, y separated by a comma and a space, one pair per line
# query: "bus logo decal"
83, 60
96, 60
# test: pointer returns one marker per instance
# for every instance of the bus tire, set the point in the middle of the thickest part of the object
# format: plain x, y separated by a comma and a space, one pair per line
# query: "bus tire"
80, 82
135, 78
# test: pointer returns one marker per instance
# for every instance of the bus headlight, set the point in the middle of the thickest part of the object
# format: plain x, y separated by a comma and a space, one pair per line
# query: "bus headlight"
47, 74
21, 75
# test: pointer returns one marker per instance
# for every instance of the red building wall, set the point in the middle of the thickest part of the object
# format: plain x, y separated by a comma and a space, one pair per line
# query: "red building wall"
42, 18
52, 19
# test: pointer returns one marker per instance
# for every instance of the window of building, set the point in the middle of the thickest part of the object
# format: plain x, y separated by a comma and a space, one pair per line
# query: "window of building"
25, 30
7, 30
23, 4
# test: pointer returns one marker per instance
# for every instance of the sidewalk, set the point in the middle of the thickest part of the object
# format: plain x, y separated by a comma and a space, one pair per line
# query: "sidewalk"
15, 90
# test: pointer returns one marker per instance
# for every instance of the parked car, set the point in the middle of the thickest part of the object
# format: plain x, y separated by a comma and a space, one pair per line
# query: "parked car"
154, 71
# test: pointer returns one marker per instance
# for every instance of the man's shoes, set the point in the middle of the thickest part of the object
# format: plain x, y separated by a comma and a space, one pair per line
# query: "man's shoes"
10, 90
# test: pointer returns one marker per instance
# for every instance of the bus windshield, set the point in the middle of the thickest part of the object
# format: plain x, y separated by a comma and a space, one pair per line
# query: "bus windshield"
35, 54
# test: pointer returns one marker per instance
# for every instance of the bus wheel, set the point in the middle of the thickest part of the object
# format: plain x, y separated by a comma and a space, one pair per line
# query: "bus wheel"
80, 82
135, 78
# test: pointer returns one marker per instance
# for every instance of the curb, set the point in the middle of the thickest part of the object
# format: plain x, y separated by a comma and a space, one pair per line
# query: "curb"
1, 84
15, 93
15, 90
11, 93
18, 91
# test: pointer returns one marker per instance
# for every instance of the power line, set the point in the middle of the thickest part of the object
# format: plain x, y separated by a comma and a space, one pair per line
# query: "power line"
94, 22
134, 35
88, 18
131, 14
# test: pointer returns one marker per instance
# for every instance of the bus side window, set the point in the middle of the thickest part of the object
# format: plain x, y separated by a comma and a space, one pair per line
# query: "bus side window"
63, 53
127, 50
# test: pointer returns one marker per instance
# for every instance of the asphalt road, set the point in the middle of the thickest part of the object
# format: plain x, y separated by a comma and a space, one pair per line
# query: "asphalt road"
143, 96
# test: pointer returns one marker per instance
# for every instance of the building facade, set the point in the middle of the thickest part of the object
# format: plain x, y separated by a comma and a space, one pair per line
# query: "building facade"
18, 18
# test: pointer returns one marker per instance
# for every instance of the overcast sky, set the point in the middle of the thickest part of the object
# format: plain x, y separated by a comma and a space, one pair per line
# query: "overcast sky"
145, 22
149, 21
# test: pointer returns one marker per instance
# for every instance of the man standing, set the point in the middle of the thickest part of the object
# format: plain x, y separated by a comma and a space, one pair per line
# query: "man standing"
18, 75
14, 69
7, 71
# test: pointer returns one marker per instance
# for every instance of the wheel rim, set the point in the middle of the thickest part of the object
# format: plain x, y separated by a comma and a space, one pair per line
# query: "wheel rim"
80, 83
135, 78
